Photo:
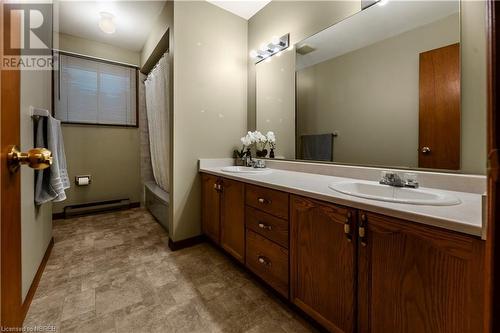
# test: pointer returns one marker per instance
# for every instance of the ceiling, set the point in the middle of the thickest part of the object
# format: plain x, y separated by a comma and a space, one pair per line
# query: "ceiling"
373, 25
133, 19
242, 8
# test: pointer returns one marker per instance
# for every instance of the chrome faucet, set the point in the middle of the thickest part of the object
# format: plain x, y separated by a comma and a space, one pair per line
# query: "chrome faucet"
394, 179
248, 159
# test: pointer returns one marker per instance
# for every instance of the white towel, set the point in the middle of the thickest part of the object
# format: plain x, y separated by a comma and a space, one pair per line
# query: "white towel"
51, 182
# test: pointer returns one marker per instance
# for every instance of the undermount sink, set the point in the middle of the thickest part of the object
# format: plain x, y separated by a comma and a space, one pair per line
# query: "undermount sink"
249, 170
375, 191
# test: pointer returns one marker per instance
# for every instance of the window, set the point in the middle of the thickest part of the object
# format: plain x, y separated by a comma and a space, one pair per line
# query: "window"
88, 91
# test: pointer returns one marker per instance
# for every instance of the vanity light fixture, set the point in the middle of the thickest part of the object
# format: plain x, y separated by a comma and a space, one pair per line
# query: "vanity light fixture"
106, 23
265, 51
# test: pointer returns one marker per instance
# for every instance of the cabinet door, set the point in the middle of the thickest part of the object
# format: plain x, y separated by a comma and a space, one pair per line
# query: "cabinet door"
323, 262
233, 218
210, 221
415, 278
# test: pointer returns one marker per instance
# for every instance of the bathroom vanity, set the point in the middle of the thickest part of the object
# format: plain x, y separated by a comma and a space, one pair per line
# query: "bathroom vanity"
352, 264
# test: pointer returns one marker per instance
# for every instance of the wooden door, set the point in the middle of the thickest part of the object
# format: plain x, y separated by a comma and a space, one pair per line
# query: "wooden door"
439, 108
233, 218
414, 278
492, 271
210, 198
322, 263
10, 183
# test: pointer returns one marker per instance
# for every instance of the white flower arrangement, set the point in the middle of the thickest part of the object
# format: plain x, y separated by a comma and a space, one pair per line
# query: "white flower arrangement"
259, 140
271, 139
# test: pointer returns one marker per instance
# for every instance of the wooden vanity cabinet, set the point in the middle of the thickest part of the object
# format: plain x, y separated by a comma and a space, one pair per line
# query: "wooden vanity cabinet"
417, 278
350, 270
323, 262
210, 207
223, 213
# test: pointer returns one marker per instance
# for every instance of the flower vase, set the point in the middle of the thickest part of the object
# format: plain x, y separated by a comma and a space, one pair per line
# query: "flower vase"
261, 153
271, 153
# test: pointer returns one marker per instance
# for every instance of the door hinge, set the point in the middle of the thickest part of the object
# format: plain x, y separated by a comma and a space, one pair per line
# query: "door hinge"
493, 165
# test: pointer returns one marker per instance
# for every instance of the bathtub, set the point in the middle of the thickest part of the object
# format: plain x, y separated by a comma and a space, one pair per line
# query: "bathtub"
157, 202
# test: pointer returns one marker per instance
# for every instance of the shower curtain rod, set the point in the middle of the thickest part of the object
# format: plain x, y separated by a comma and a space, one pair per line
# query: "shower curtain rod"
156, 65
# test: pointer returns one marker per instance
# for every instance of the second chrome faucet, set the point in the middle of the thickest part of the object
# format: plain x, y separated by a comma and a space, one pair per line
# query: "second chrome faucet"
395, 179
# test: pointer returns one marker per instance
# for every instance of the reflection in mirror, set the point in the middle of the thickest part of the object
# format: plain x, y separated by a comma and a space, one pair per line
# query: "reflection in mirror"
382, 87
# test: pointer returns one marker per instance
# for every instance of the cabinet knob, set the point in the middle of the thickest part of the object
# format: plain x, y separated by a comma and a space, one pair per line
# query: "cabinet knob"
264, 226
263, 201
264, 261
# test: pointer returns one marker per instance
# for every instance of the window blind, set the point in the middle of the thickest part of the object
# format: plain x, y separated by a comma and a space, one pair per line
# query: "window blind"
94, 92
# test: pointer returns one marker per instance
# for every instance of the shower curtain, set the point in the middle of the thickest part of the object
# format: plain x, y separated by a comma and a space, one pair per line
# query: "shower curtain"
158, 114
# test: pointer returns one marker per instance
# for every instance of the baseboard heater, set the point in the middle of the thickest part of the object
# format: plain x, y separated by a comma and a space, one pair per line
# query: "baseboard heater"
95, 207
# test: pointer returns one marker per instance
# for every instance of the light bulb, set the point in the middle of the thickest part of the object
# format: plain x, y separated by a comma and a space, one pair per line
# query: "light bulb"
253, 54
263, 47
106, 23
383, 2
275, 40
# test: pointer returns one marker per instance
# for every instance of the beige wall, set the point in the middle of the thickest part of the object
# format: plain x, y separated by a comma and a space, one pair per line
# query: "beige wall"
96, 49
474, 98
162, 24
111, 155
36, 221
299, 18
210, 82
370, 96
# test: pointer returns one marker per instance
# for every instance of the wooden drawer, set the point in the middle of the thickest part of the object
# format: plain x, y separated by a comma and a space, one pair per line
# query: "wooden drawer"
271, 201
267, 225
268, 260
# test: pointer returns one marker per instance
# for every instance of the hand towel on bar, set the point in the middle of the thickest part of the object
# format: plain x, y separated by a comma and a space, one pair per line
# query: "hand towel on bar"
58, 174
43, 191
317, 147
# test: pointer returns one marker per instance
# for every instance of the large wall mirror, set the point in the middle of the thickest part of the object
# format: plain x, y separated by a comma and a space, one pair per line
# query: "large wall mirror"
399, 84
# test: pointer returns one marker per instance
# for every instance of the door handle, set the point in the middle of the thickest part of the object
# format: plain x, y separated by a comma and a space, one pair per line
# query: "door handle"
426, 150
36, 158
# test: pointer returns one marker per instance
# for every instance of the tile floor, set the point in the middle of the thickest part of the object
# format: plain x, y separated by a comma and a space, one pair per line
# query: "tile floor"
113, 272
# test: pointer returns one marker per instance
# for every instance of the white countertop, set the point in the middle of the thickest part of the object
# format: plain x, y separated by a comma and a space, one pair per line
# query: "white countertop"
465, 217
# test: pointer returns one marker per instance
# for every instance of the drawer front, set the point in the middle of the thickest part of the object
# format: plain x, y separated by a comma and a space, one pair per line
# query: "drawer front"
267, 225
268, 260
270, 201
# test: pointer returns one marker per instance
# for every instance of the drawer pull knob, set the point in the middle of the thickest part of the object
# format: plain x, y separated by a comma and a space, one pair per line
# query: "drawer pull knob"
263, 201
265, 226
264, 261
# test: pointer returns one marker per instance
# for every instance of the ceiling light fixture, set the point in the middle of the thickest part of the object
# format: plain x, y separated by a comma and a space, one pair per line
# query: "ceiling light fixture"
106, 23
